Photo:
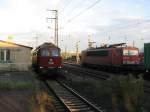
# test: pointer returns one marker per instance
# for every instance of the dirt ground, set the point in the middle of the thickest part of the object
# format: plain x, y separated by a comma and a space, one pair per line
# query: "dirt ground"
13, 101
22, 92
16, 91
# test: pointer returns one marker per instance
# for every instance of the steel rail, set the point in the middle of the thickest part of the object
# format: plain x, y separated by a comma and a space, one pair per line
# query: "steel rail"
67, 95
60, 100
95, 74
83, 99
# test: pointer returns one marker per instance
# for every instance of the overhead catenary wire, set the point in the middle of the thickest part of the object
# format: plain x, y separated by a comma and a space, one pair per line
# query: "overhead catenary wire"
76, 6
127, 26
83, 11
120, 27
65, 6
57, 5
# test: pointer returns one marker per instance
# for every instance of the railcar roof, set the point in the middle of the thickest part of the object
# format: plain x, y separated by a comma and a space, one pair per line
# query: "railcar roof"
109, 48
45, 45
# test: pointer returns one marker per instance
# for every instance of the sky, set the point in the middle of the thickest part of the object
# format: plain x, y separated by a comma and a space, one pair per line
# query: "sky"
108, 21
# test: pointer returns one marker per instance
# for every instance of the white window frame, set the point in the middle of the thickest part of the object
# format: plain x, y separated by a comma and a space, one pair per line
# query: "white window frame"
5, 55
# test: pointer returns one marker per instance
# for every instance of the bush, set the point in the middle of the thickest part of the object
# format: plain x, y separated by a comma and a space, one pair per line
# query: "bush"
126, 93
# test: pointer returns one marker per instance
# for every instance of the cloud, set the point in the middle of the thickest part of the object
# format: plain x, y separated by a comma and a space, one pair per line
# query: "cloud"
25, 18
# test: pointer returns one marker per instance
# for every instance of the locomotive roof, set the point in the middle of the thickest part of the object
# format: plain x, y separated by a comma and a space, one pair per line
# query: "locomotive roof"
117, 46
106, 48
45, 45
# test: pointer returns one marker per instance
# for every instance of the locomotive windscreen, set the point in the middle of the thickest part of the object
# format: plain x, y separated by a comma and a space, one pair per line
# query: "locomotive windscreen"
47, 52
130, 52
55, 52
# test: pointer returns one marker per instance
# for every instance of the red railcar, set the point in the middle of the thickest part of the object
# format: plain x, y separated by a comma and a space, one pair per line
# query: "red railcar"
114, 56
46, 58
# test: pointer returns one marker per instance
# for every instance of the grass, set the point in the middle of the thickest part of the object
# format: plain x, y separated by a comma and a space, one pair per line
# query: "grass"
41, 102
119, 93
13, 85
95, 90
126, 93
30, 91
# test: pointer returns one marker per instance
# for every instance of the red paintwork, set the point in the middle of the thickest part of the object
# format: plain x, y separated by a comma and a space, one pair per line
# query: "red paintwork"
134, 58
115, 57
40, 61
43, 61
131, 58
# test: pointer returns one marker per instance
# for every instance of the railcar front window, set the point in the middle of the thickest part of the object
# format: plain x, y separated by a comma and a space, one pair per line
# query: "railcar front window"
55, 53
130, 52
133, 52
45, 53
125, 52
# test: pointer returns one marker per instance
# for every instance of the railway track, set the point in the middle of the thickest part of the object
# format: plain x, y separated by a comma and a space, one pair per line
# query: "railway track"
138, 70
70, 100
88, 72
98, 74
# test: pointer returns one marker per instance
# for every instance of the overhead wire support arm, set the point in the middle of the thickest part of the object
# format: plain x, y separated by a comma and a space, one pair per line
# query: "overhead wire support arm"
51, 18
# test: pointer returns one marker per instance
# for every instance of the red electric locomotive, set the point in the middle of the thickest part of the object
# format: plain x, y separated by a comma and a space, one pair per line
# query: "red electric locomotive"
46, 58
113, 57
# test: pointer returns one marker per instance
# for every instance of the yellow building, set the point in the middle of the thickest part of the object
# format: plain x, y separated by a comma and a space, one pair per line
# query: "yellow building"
14, 57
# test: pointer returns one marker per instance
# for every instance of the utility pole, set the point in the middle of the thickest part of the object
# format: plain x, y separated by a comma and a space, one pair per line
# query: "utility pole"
77, 52
133, 43
125, 39
90, 43
65, 51
56, 26
109, 38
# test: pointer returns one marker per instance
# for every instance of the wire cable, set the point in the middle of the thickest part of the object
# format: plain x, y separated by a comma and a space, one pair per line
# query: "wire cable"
83, 11
66, 6
128, 25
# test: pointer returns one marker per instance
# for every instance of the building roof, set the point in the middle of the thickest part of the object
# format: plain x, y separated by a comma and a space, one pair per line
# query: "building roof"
15, 44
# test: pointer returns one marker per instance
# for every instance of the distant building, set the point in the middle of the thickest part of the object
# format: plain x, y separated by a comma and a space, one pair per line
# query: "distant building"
14, 57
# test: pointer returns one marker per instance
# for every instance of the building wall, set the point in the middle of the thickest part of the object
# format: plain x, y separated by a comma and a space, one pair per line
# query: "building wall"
20, 59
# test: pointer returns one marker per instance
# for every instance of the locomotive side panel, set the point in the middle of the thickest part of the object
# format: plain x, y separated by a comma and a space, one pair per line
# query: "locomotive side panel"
116, 57
99, 57
121, 57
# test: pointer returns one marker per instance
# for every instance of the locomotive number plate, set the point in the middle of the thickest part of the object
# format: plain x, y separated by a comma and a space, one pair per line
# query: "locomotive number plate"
50, 62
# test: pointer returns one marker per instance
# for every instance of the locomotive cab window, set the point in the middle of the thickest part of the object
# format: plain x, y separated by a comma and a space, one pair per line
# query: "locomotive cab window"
133, 52
130, 52
125, 52
45, 52
55, 52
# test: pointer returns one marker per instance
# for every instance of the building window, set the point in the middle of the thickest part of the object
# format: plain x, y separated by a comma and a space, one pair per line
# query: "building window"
4, 55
